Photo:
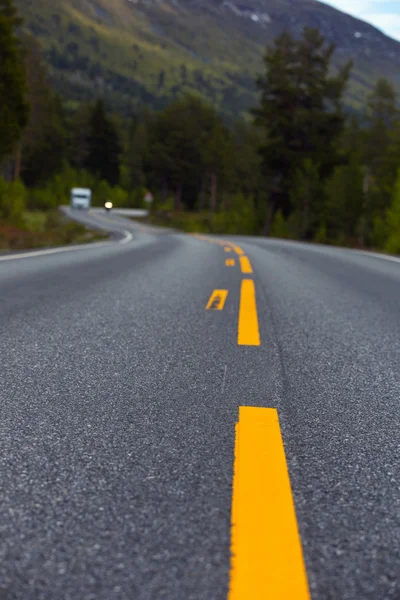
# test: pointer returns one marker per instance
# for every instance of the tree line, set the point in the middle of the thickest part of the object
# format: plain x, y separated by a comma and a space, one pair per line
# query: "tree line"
299, 167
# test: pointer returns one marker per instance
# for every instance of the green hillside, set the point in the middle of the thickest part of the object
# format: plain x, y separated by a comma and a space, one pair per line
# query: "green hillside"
139, 52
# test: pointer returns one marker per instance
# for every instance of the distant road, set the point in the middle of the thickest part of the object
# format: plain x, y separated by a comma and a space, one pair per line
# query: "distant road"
123, 369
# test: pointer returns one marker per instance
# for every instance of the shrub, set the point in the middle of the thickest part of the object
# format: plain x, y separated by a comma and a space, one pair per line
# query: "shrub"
57, 190
119, 197
12, 201
239, 218
321, 235
279, 227
393, 221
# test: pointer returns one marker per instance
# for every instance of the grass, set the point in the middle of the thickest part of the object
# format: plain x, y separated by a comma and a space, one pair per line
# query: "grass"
45, 230
35, 222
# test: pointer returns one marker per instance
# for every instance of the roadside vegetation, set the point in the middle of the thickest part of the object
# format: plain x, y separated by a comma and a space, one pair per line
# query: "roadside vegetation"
55, 230
298, 167
28, 219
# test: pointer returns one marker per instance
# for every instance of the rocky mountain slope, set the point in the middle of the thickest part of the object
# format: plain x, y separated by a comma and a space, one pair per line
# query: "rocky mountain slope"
144, 52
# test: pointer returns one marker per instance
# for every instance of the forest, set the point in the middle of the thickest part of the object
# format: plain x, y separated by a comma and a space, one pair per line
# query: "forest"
298, 167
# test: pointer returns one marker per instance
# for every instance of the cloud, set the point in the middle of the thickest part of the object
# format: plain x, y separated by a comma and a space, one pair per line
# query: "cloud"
384, 14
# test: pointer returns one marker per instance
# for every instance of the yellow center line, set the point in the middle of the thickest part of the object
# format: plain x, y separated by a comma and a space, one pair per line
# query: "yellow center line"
230, 262
267, 559
229, 246
248, 332
210, 240
245, 264
217, 300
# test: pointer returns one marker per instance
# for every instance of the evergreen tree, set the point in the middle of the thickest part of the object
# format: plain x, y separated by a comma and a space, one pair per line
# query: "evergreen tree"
217, 159
393, 221
13, 105
103, 146
344, 208
300, 112
382, 108
43, 145
177, 151
245, 159
381, 155
305, 193
136, 153
8, 10
78, 135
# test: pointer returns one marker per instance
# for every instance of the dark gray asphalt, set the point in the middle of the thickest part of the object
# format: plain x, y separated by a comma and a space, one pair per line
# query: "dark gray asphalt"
119, 395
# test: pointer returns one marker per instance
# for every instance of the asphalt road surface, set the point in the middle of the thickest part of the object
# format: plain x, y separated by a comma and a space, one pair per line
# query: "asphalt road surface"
123, 367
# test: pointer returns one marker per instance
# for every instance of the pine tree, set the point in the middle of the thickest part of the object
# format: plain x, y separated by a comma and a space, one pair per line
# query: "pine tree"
103, 146
344, 208
13, 105
300, 112
304, 194
381, 156
177, 151
78, 135
136, 153
393, 221
43, 145
217, 158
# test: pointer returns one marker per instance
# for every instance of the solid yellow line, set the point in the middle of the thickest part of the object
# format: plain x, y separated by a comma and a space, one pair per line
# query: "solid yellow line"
230, 262
248, 332
245, 264
267, 559
238, 250
217, 300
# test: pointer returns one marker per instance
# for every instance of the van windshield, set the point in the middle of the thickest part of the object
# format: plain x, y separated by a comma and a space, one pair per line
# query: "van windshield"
81, 196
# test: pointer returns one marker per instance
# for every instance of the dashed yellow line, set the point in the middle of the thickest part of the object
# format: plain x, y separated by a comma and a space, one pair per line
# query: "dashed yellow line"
217, 300
267, 559
248, 332
245, 264
230, 262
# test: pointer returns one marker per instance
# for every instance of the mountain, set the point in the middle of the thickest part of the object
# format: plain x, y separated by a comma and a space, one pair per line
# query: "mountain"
145, 52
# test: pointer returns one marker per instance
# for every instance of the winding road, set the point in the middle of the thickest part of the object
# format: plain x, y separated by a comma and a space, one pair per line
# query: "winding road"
198, 418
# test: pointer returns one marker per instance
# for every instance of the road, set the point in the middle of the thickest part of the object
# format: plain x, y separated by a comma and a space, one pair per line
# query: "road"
123, 369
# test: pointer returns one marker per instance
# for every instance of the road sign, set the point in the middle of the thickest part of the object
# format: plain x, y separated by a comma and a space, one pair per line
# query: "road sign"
148, 197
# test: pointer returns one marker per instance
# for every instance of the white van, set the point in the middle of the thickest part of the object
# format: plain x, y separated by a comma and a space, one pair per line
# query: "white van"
81, 198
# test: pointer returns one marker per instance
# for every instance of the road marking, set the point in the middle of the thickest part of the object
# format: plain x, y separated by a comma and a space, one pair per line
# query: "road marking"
203, 238
53, 251
128, 237
377, 255
230, 262
228, 246
238, 250
267, 560
248, 332
217, 300
245, 264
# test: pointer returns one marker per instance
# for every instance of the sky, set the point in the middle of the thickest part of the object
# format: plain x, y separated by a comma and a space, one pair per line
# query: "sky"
384, 14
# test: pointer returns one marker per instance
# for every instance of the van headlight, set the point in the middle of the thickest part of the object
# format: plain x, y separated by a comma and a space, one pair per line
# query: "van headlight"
108, 205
